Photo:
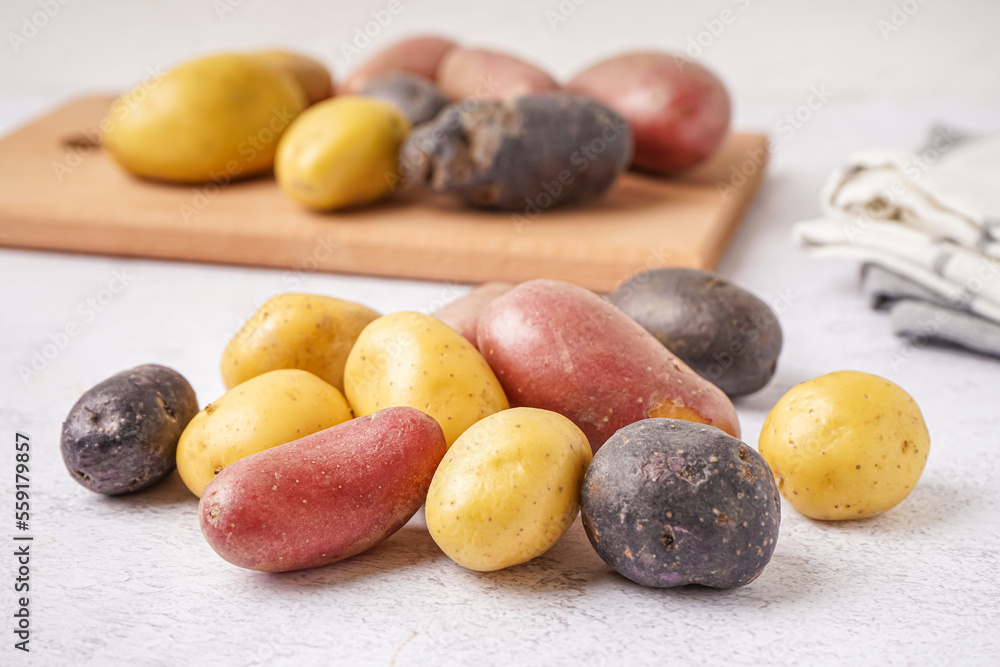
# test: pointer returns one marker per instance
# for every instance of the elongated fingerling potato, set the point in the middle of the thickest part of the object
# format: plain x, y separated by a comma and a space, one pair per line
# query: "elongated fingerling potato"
489, 75
325, 497
560, 347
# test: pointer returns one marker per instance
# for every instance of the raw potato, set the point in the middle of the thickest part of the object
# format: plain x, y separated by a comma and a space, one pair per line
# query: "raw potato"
507, 489
669, 503
311, 74
121, 436
463, 314
490, 75
723, 332
417, 55
526, 154
341, 152
679, 110
560, 347
264, 412
306, 331
413, 359
326, 497
216, 118
418, 99
846, 445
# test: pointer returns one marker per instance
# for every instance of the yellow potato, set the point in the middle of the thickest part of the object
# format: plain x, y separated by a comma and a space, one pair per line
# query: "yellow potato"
267, 411
305, 331
312, 75
341, 152
846, 445
212, 119
508, 488
415, 360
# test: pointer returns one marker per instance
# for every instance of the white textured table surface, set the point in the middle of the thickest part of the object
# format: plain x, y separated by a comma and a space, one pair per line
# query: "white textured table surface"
131, 581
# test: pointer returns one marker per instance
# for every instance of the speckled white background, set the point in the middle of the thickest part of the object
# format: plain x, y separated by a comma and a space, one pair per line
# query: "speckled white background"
131, 581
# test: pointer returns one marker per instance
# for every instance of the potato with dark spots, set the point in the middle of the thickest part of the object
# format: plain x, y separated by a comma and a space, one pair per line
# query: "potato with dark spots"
463, 314
417, 55
419, 99
508, 488
668, 503
560, 347
526, 154
490, 75
121, 436
325, 497
723, 332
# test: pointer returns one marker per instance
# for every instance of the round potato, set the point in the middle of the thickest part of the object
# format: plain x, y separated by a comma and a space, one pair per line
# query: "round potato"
266, 411
311, 74
415, 360
212, 119
508, 488
341, 152
846, 445
121, 436
305, 331
417, 55
723, 332
489, 75
670, 503
679, 110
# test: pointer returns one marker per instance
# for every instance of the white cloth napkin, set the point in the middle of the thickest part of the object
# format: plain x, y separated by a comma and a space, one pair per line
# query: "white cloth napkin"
931, 218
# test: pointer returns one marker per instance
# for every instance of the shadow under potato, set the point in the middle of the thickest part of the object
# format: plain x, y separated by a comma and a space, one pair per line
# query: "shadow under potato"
171, 490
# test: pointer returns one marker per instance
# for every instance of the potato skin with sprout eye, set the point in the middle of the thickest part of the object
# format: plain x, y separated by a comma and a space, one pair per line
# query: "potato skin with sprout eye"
669, 503
121, 436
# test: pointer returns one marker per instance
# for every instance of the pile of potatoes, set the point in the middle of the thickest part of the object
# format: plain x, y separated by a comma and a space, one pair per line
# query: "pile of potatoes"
505, 414
483, 127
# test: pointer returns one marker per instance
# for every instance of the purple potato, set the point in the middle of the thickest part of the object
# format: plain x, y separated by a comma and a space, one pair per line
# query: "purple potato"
121, 436
668, 503
523, 154
419, 99
723, 332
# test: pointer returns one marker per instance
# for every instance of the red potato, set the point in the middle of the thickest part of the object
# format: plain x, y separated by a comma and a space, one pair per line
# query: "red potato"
324, 497
489, 75
560, 347
679, 110
417, 55
462, 314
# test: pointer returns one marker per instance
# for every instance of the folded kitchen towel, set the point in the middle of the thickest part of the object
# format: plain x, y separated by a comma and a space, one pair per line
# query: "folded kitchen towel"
931, 219
921, 315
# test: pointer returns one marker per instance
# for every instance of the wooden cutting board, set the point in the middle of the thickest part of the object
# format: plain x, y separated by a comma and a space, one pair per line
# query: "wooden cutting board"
58, 191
